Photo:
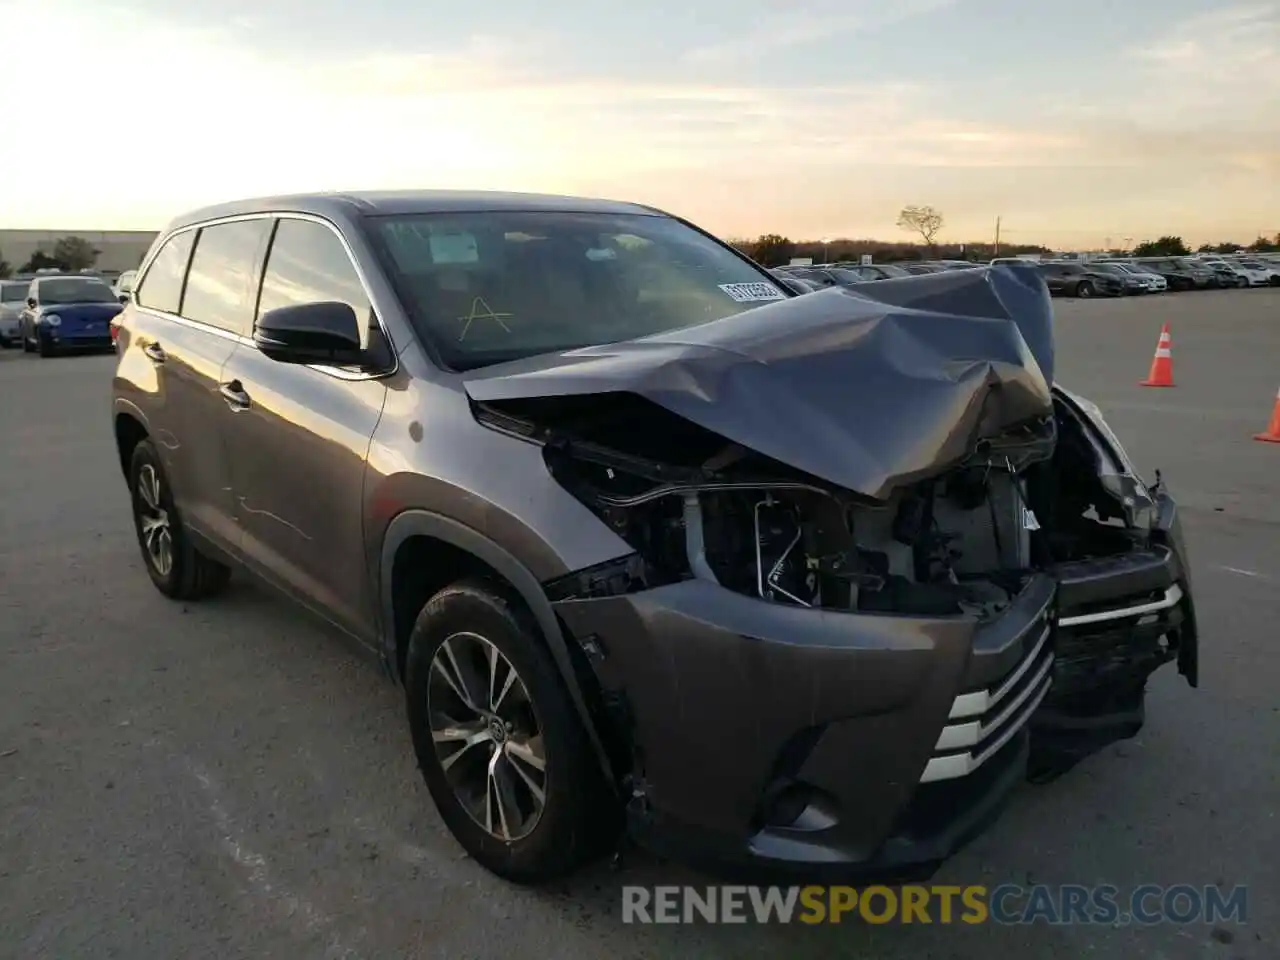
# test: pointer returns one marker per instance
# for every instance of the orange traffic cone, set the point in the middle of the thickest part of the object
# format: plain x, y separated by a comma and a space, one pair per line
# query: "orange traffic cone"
1161, 374
1272, 434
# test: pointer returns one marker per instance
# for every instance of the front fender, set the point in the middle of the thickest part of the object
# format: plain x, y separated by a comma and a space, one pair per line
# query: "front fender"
411, 523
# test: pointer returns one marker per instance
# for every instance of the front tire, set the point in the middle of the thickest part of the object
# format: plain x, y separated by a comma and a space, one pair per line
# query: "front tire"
498, 740
1242, 282
1085, 290
44, 347
176, 567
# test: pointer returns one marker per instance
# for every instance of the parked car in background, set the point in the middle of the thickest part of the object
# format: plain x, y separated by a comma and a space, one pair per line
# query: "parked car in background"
875, 271
1182, 273
67, 313
918, 268
1066, 279
827, 275
124, 285
1176, 275
1259, 272
1133, 284
647, 539
13, 300
1149, 278
1229, 274
889, 271
793, 283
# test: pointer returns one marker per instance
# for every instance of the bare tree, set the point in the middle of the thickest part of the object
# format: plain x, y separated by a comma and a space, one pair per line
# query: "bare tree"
925, 221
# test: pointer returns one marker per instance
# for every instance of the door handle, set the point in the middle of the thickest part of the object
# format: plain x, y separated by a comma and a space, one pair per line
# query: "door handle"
234, 394
154, 352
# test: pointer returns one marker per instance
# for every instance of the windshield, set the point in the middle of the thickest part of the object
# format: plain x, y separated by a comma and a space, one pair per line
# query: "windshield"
495, 286
1253, 264
73, 290
13, 292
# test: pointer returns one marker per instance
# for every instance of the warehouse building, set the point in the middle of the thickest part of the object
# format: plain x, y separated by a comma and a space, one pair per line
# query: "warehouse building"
117, 249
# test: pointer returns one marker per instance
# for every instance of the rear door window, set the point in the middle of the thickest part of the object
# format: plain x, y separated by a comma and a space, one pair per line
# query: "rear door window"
223, 274
161, 286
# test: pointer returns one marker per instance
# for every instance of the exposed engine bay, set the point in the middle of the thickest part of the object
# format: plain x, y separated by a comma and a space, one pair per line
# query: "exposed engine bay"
695, 505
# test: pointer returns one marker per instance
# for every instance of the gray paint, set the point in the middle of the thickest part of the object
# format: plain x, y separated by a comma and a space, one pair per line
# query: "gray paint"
332, 471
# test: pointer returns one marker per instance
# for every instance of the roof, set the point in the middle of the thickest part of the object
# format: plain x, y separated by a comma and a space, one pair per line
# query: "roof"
384, 202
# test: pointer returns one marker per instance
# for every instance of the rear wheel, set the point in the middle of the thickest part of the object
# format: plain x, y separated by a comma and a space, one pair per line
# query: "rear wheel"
498, 740
45, 348
1242, 281
175, 566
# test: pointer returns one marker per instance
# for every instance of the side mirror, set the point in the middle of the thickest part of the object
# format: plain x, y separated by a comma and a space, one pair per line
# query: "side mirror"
123, 298
323, 332
31, 302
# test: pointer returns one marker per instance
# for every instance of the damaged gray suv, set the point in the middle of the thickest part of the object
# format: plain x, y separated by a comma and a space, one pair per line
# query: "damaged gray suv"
795, 585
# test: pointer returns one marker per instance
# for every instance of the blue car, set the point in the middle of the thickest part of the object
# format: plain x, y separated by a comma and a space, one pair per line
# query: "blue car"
67, 313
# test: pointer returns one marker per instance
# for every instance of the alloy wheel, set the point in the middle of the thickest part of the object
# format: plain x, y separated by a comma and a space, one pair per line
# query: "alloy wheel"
153, 521
487, 736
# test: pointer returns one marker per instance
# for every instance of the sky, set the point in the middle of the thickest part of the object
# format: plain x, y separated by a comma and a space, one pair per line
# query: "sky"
1076, 122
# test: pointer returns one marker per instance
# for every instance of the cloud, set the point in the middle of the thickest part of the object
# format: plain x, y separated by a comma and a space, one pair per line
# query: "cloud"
214, 112
1225, 60
786, 27
1202, 98
208, 113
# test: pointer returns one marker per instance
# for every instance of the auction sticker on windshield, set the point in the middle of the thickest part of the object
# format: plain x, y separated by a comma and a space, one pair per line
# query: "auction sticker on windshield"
752, 292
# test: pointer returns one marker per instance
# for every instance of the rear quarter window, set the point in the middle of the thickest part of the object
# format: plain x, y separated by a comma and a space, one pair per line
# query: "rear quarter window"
161, 286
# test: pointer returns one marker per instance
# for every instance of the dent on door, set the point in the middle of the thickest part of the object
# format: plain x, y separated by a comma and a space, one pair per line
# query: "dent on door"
186, 363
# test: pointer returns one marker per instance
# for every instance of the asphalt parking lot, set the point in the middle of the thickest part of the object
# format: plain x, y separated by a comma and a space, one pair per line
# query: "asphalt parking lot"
231, 780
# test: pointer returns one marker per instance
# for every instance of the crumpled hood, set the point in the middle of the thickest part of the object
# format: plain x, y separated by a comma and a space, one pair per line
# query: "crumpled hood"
868, 388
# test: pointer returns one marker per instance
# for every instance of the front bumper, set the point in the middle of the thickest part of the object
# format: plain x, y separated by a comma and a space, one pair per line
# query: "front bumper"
778, 741
815, 743
76, 339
